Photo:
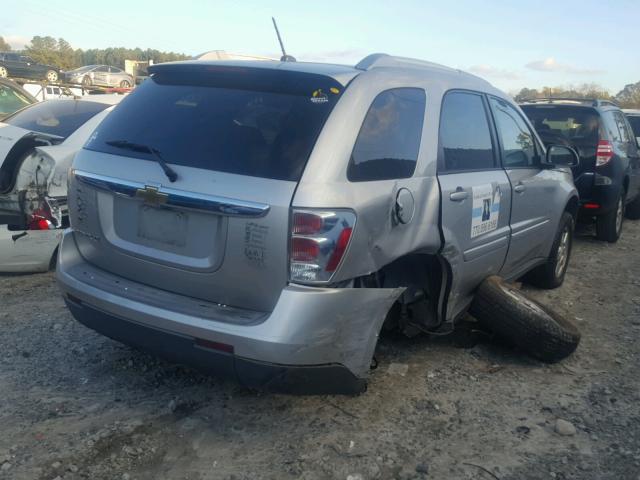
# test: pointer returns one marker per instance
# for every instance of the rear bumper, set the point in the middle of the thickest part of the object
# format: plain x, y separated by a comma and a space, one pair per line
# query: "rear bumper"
316, 340
597, 190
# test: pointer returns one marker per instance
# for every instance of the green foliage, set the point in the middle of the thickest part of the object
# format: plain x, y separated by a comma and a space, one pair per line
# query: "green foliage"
629, 96
586, 90
59, 52
4, 46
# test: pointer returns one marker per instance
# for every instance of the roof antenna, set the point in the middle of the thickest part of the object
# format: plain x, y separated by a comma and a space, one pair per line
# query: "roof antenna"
284, 57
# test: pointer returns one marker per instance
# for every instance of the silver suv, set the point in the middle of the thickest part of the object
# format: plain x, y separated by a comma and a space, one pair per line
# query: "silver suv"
264, 219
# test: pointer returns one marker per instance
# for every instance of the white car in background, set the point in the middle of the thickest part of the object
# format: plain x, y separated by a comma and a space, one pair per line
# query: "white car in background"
37, 146
52, 92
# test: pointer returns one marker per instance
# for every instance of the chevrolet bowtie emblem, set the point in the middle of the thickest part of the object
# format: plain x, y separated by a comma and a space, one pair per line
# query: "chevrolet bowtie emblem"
151, 195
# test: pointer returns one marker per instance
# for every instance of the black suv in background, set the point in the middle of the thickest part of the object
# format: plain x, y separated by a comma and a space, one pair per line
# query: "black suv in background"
608, 175
21, 66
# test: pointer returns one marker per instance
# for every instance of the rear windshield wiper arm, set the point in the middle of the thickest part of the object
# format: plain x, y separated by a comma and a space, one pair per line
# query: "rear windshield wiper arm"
139, 147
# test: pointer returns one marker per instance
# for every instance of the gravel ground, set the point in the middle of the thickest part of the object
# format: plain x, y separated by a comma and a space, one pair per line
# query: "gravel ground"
75, 405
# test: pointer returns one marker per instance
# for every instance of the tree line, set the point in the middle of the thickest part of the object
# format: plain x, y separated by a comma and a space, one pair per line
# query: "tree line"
60, 53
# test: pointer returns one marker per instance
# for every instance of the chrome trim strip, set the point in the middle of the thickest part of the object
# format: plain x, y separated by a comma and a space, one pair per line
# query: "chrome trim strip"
176, 198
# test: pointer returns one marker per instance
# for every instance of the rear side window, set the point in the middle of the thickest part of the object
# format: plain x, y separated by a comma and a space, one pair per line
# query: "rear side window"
465, 137
622, 127
56, 117
634, 121
389, 139
611, 126
254, 122
518, 144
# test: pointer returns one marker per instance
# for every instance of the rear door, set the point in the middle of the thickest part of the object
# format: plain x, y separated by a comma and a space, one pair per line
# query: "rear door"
238, 139
476, 195
534, 192
101, 75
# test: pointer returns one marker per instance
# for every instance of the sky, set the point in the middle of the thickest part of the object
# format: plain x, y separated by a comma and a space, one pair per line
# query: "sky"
513, 44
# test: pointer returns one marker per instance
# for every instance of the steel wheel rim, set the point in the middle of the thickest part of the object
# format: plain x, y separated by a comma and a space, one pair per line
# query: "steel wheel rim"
52, 77
3, 72
562, 256
619, 215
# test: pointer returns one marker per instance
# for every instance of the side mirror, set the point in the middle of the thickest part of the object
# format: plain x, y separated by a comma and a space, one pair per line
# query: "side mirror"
562, 156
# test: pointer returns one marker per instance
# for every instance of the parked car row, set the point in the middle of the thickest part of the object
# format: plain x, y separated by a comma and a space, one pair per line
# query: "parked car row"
264, 219
16, 65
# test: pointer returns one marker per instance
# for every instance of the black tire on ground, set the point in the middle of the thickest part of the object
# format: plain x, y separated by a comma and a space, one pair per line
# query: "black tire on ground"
536, 329
609, 226
551, 273
632, 211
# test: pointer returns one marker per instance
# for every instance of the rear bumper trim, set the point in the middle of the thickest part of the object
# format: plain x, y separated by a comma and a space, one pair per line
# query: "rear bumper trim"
294, 379
309, 327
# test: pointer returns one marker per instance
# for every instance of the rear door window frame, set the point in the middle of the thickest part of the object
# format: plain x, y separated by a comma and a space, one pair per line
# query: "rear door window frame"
539, 150
441, 167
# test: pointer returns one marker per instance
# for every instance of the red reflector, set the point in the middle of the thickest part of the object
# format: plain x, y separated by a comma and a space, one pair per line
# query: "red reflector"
222, 347
341, 246
307, 223
304, 249
39, 224
591, 205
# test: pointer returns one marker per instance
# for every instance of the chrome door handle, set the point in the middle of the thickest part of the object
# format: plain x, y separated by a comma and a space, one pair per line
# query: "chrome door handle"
458, 196
519, 188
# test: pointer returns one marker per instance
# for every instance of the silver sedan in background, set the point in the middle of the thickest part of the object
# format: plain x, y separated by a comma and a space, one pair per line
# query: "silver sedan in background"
101, 75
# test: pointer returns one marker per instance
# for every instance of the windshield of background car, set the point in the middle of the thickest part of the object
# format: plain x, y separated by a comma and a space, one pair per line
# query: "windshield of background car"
634, 120
56, 117
247, 121
11, 100
568, 125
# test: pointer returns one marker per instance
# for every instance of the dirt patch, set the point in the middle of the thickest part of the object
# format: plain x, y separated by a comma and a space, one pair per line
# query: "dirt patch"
76, 405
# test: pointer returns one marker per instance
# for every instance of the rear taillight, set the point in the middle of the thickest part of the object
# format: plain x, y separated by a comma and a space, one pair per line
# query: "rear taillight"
42, 218
604, 153
319, 240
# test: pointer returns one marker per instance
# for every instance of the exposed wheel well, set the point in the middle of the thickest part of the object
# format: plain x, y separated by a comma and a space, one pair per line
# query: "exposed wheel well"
422, 305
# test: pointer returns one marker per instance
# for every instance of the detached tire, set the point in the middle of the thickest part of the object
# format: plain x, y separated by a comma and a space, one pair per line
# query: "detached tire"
538, 330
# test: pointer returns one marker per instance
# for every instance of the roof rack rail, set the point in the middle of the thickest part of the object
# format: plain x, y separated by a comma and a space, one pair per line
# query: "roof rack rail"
384, 60
594, 102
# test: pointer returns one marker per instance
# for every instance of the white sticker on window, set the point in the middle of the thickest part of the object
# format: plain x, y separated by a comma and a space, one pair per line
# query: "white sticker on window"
485, 209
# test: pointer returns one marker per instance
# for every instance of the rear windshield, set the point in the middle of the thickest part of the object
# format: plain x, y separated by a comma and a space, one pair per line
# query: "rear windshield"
256, 122
634, 120
577, 126
56, 117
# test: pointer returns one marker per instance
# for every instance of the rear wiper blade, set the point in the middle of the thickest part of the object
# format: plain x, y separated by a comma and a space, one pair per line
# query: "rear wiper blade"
139, 147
